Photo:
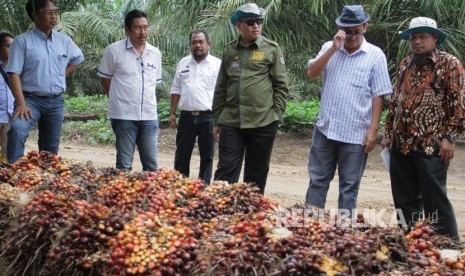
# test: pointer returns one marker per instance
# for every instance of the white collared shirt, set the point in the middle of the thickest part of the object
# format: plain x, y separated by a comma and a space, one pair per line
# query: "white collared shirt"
350, 82
195, 82
133, 80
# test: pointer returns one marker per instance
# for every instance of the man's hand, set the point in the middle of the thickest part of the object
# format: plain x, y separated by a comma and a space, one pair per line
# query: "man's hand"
22, 111
447, 151
338, 40
172, 120
369, 142
216, 133
386, 142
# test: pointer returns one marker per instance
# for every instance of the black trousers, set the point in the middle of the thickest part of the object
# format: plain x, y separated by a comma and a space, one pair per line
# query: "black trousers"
419, 184
256, 144
190, 128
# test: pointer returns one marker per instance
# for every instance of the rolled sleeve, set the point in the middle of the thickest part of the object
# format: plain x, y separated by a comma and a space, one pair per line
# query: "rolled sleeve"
176, 86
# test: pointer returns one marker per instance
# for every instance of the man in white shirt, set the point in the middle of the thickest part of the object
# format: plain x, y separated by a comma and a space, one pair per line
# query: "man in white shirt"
192, 91
130, 70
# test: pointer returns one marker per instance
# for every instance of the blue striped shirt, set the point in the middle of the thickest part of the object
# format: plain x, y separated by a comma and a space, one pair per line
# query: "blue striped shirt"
41, 61
350, 82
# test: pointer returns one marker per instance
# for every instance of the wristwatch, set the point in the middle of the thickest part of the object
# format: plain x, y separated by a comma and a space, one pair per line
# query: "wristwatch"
451, 138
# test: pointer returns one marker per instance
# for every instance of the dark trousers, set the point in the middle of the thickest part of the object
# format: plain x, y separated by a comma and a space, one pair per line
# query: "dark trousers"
419, 184
191, 127
256, 144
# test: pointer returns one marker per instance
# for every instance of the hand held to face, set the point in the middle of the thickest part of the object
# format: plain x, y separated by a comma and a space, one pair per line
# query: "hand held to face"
338, 40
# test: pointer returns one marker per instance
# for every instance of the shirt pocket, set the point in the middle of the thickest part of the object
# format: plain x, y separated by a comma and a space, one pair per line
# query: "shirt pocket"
60, 60
62, 64
150, 70
358, 78
185, 76
210, 80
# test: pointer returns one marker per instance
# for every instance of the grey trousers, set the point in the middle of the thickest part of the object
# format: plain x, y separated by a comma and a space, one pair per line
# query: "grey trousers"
325, 156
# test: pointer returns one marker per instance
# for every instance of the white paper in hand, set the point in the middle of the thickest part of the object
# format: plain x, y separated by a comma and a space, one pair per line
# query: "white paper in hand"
385, 155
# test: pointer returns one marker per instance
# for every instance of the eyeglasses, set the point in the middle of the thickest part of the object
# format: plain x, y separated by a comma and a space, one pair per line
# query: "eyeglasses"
354, 35
251, 22
50, 13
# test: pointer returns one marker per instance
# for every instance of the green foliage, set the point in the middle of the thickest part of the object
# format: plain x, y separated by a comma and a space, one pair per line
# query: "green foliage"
96, 104
93, 132
98, 132
300, 115
163, 109
299, 26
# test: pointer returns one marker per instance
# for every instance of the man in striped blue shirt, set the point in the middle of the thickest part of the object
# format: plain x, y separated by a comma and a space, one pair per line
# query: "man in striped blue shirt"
355, 79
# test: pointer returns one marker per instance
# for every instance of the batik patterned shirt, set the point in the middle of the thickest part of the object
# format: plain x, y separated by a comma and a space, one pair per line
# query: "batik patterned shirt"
426, 105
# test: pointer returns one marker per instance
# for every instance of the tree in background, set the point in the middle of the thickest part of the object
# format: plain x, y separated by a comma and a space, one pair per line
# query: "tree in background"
300, 27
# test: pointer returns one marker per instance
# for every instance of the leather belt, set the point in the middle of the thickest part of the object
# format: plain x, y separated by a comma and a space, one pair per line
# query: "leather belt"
196, 112
45, 96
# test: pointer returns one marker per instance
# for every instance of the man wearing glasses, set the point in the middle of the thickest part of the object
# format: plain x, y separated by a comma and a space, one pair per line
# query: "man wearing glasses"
39, 61
355, 79
249, 101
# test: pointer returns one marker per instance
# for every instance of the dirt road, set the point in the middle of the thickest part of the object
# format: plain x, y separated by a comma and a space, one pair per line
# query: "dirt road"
288, 179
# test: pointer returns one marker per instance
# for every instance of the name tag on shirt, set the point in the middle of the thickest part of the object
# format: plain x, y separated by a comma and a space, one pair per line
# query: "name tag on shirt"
257, 55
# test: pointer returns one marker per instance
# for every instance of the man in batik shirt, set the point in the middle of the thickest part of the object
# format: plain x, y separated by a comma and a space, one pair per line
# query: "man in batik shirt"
426, 115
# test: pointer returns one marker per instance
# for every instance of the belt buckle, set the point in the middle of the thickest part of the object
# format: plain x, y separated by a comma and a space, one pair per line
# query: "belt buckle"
195, 113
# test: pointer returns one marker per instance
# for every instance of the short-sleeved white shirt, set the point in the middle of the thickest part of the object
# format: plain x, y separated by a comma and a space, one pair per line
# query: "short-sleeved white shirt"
195, 82
133, 80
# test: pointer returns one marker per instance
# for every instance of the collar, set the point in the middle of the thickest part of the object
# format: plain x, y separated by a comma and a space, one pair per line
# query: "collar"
433, 57
206, 60
363, 47
43, 35
257, 42
129, 45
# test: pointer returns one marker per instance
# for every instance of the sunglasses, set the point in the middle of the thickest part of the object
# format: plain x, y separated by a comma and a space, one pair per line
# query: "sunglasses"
251, 22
